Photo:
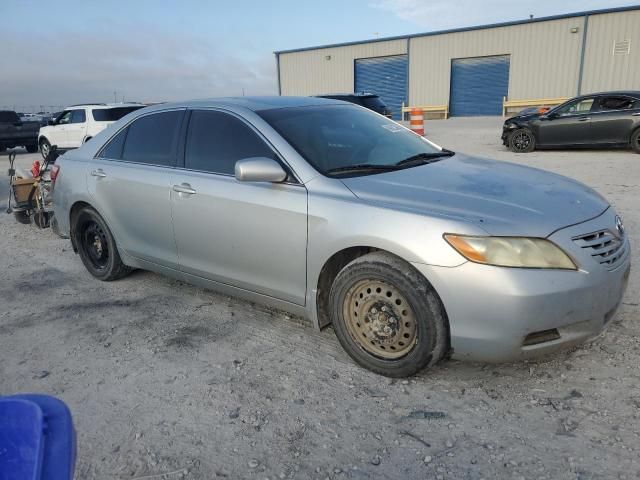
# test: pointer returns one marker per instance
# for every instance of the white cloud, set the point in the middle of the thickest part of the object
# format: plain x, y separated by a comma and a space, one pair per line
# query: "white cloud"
441, 14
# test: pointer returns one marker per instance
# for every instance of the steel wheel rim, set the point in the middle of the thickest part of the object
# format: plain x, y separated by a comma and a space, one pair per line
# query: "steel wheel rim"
95, 245
521, 141
380, 319
45, 149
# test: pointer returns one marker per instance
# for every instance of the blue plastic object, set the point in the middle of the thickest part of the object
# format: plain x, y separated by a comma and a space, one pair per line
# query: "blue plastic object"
37, 439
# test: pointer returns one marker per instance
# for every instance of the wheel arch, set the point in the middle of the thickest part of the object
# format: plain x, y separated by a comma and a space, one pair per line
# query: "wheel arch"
336, 262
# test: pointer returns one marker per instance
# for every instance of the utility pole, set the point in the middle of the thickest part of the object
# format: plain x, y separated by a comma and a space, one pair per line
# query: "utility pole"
115, 98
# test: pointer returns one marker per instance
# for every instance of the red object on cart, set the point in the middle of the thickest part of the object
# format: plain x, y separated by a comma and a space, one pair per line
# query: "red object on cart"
35, 169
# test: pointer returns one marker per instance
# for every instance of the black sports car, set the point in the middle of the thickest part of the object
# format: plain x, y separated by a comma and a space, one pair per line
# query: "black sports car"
601, 119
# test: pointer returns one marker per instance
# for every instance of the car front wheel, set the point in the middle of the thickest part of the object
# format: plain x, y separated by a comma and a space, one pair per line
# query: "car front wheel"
97, 247
45, 147
387, 316
522, 141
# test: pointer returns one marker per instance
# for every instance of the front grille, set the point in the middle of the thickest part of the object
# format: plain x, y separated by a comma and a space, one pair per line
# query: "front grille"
604, 246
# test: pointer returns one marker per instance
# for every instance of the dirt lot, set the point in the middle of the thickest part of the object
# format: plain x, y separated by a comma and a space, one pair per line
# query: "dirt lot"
166, 378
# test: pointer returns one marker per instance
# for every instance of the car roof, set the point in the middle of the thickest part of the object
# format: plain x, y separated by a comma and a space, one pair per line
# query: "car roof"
103, 105
357, 94
255, 104
629, 93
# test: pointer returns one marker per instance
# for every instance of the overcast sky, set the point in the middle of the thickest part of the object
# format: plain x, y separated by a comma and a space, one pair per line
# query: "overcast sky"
66, 51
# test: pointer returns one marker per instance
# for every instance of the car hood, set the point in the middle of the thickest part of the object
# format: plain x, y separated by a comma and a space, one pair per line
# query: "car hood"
501, 198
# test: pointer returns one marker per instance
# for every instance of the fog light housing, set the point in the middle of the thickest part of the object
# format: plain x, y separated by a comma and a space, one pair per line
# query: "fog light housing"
542, 336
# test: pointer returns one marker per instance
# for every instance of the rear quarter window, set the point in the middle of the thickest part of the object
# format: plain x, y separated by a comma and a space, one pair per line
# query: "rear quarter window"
112, 114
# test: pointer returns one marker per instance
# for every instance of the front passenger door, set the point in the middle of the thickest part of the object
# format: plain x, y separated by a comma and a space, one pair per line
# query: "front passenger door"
249, 235
57, 135
76, 129
567, 125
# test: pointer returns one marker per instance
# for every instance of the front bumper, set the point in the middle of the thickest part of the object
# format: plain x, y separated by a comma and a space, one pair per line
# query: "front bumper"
492, 310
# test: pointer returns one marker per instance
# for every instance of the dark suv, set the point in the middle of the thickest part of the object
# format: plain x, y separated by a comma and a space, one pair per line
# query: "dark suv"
368, 100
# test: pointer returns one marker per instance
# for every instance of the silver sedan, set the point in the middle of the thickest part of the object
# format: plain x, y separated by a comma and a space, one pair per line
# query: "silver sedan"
412, 252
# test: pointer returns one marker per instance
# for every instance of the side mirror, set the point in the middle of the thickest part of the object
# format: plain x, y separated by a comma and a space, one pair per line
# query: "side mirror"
259, 169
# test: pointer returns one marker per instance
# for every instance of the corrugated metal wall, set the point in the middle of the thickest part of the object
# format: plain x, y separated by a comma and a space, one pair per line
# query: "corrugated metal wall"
602, 69
545, 58
310, 73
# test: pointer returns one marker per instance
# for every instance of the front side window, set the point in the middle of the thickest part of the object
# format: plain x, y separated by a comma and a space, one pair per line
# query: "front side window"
575, 108
78, 116
338, 137
153, 139
616, 103
217, 140
64, 118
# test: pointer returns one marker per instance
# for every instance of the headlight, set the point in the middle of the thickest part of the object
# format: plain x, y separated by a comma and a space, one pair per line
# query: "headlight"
509, 126
519, 252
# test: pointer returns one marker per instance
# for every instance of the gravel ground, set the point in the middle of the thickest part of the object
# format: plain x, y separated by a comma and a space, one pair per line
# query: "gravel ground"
169, 381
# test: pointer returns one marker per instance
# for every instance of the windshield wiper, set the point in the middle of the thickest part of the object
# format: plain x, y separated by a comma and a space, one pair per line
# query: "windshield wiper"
362, 167
424, 158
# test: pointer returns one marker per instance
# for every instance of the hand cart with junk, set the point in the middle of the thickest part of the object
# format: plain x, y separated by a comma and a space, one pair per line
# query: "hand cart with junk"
30, 192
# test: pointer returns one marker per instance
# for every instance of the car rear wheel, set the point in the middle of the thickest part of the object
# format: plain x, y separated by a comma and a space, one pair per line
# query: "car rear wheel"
45, 147
522, 141
97, 247
635, 140
387, 316
32, 148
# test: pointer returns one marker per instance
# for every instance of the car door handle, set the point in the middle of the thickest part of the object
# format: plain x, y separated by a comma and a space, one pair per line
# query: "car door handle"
184, 188
98, 173
584, 119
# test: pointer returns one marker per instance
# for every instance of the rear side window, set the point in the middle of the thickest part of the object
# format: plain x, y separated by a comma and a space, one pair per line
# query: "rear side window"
111, 114
153, 139
78, 116
113, 149
216, 141
616, 103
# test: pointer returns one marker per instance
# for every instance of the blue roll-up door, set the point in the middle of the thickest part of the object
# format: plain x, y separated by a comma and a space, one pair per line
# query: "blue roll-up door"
384, 76
478, 85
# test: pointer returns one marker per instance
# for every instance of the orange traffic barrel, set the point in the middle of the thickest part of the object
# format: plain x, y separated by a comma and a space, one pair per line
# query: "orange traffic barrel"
417, 121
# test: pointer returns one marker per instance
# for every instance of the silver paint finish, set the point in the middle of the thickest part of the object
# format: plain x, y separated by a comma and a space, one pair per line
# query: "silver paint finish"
268, 242
259, 170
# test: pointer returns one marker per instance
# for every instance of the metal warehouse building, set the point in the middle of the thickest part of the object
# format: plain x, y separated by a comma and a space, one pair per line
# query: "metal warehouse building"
471, 71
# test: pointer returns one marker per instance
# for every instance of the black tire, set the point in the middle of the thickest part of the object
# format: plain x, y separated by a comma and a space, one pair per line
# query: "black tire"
430, 343
45, 147
22, 217
2, 149
97, 247
31, 148
635, 140
522, 141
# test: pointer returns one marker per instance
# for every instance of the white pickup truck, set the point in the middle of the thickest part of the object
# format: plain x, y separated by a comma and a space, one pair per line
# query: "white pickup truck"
79, 123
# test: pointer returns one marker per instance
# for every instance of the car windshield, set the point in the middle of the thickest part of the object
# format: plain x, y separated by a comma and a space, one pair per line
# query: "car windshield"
112, 114
350, 140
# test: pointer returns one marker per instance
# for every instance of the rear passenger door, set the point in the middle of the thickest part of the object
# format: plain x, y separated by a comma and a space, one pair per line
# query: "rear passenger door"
129, 182
249, 235
614, 118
